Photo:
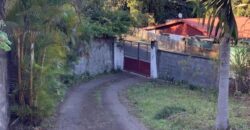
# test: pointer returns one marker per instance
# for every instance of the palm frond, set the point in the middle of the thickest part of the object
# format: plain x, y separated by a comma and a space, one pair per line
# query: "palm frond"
220, 10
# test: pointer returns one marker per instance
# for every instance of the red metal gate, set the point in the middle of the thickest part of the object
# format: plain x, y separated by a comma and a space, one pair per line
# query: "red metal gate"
137, 57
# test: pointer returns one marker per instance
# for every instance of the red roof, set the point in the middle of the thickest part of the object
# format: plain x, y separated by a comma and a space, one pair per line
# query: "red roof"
243, 24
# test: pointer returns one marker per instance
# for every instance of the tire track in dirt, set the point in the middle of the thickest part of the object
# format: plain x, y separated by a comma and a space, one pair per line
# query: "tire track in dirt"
95, 105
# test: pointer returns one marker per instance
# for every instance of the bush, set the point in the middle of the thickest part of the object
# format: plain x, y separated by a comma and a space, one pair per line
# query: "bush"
240, 64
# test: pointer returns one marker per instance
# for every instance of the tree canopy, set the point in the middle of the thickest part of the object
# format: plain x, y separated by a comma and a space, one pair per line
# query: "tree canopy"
161, 10
241, 7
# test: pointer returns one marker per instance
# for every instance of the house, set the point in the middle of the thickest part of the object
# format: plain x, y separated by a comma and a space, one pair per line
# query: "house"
179, 28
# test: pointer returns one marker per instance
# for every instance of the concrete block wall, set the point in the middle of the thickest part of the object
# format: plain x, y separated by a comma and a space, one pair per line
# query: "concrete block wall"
99, 58
198, 71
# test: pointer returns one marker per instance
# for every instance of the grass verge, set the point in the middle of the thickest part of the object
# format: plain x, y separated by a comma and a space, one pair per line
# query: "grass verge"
174, 107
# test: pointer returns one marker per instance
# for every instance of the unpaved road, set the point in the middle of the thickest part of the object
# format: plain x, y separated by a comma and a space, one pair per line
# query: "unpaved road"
95, 105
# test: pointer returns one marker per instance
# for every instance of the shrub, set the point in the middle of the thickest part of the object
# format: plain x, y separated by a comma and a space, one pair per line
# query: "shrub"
240, 64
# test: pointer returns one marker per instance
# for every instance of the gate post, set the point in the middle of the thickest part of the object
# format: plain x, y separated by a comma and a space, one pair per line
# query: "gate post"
118, 55
153, 60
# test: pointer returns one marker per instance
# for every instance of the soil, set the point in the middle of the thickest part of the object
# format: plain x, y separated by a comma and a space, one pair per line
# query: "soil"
96, 105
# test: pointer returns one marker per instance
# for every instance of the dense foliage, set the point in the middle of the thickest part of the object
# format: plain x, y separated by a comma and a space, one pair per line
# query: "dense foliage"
168, 9
159, 11
46, 36
240, 63
144, 12
242, 7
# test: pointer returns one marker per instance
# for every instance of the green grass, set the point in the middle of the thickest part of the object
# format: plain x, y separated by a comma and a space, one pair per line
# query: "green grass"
171, 107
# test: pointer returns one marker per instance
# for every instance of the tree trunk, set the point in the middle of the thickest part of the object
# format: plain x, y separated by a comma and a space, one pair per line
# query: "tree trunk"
32, 58
2, 9
19, 73
42, 66
31, 91
222, 106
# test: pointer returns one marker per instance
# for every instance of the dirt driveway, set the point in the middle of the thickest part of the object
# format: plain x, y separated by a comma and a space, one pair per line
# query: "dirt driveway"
95, 105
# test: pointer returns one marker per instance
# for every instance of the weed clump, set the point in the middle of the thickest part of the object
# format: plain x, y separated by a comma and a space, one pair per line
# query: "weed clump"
168, 111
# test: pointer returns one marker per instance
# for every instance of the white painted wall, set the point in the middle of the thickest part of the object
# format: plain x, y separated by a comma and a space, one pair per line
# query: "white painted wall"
153, 61
152, 36
118, 56
175, 37
152, 31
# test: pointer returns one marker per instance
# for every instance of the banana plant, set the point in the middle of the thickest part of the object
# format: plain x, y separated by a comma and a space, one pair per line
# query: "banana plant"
4, 41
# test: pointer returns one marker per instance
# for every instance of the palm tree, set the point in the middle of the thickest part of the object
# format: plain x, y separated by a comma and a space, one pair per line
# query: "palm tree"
225, 29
